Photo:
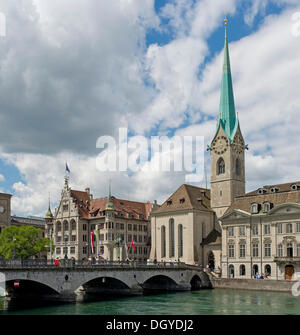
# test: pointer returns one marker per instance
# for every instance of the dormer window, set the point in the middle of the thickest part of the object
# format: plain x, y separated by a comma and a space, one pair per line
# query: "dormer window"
295, 187
169, 202
267, 207
254, 208
274, 189
261, 191
182, 200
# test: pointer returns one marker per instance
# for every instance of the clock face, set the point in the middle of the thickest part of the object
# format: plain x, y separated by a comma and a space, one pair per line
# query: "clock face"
220, 145
2, 209
238, 144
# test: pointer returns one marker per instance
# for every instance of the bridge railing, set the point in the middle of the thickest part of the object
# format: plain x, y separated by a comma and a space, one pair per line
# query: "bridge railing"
71, 263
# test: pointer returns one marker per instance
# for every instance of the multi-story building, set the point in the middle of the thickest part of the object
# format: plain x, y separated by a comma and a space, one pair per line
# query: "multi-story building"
261, 233
83, 227
5, 210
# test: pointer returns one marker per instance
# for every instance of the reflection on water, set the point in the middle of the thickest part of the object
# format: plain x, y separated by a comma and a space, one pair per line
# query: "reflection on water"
217, 301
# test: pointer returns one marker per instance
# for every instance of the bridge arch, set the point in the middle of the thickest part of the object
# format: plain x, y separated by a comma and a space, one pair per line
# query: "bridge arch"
28, 287
196, 282
159, 282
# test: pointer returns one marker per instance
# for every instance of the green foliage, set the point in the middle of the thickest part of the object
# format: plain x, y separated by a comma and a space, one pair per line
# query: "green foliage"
28, 242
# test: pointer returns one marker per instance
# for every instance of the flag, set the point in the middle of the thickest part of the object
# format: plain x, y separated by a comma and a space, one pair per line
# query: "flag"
16, 283
67, 168
132, 245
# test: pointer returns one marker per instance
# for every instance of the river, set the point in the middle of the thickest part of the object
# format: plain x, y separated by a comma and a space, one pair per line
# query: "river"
203, 302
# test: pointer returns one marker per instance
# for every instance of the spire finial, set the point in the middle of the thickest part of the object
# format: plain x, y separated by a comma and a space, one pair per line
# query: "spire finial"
225, 21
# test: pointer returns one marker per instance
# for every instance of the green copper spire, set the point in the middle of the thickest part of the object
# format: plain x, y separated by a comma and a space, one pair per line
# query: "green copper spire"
109, 205
227, 116
49, 214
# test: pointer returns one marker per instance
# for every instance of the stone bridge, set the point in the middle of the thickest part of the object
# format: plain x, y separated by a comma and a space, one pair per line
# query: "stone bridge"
77, 282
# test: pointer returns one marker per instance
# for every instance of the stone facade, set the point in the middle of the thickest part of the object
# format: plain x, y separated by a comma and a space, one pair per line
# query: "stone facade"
261, 234
180, 226
5, 210
84, 227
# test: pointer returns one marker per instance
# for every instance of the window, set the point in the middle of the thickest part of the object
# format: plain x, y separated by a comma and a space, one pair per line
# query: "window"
231, 250
73, 225
255, 249
65, 208
73, 238
169, 202
84, 238
279, 228
298, 227
298, 250
230, 231
221, 166
163, 241
84, 250
72, 250
237, 167
117, 226
84, 226
130, 227
267, 229
134, 227
182, 201
267, 249
65, 250
254, 208
122, 226
145, 228
140, 238
58, 239
140, 228
268, 269
267, 207
255, 229
289, 250
242, 270
279, 250
289, 228
58, 251
171, 238
180, 240
242, 250
242, 230
66, 225
58, 226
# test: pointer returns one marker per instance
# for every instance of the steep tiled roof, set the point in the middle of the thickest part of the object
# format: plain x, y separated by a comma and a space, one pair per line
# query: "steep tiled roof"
184, 198
93, 208
283, 194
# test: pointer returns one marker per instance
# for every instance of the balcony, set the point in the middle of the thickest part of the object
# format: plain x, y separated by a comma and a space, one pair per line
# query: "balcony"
287, 259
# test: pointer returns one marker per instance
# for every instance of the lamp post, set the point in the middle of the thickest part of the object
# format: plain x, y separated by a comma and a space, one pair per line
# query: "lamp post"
51, 244
14, 239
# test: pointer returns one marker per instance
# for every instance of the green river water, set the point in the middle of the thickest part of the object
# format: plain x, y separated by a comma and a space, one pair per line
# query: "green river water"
203, 302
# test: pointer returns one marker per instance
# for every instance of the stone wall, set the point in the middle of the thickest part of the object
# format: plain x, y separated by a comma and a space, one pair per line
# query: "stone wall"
253, 284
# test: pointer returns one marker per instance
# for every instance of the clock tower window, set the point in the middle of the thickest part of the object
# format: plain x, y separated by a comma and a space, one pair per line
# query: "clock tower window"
221, 166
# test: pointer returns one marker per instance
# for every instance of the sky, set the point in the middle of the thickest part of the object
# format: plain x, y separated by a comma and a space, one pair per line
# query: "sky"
72, 71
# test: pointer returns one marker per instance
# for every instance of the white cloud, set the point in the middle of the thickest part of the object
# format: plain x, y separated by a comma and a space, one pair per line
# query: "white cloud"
2, 178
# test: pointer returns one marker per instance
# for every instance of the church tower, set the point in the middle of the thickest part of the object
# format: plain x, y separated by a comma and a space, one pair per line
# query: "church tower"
227, 149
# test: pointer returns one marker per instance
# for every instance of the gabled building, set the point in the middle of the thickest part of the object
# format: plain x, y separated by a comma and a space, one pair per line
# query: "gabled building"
83, 227
181, 225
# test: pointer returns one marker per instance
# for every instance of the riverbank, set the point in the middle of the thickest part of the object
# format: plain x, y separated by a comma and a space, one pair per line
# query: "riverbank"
253, 284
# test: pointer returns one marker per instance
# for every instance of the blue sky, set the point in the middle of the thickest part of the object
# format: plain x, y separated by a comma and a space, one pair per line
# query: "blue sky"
154, 67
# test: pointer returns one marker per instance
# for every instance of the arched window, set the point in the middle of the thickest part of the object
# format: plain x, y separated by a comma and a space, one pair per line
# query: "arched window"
242, 270
58, 226
231, 271
255, 269
268, 270
180, 241
221, 166
73, 225
66, 225
237, 167
163, 241
171, 238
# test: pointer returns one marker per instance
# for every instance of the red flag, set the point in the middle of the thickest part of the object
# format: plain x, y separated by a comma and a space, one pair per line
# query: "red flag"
16, 283
132, 244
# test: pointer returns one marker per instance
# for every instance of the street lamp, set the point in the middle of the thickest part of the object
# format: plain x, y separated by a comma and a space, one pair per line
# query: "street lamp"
51, 244
14, 239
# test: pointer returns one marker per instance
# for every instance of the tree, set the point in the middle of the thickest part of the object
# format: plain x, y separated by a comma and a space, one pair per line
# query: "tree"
27, 242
